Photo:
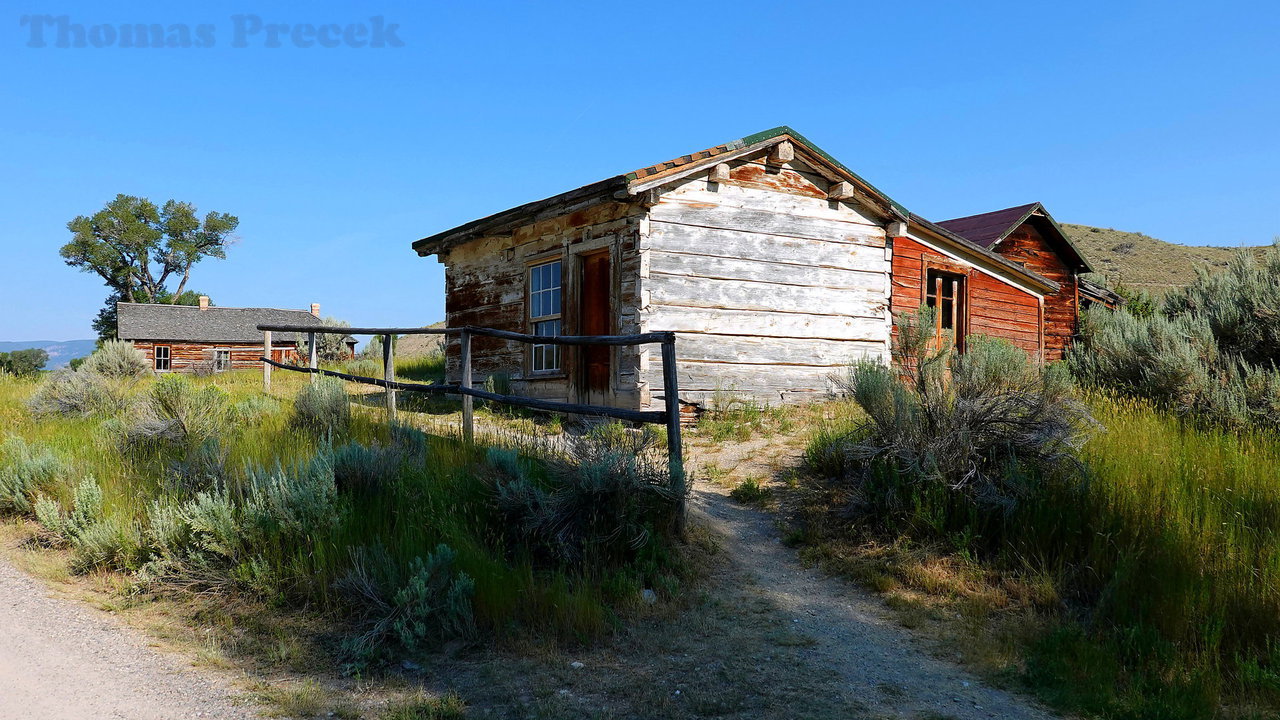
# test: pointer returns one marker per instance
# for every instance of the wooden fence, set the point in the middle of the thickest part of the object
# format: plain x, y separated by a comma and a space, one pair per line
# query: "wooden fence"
670, 415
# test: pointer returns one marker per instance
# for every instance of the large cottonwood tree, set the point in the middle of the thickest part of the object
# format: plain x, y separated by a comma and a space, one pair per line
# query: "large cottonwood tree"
139, 249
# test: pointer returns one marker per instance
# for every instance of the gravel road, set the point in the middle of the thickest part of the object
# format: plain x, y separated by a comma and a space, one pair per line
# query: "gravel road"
60, 660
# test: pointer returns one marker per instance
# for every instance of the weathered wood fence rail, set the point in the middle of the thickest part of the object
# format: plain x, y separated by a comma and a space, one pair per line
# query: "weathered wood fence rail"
670, 415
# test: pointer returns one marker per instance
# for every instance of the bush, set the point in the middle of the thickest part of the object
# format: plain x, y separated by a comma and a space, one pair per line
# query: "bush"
117, 359
985, 427
601, 504
175, 414
1209, 352
70, 393
25, 473
254, 409
23, 363
323, 407
330, 347
97, 540
432, 602
1177, 363
363, 469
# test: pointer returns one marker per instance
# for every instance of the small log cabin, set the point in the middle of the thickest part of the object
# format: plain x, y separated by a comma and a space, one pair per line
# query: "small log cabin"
775, 264
203, 337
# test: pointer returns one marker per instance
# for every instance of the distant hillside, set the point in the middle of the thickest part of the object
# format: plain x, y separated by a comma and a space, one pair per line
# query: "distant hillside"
60, 353
1142, 262
418, 345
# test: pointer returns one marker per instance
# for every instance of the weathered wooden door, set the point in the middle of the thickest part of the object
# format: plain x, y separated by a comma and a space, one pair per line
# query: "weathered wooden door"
594, 312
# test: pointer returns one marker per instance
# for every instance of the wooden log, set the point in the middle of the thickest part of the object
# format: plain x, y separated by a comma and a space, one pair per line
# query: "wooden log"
720, 173
313, 354
783, 152
266, 366
675, 450
644, 416
389, 374
841, 191
468, 418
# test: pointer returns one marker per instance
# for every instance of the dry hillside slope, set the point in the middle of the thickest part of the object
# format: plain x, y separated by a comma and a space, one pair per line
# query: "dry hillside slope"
1141, 262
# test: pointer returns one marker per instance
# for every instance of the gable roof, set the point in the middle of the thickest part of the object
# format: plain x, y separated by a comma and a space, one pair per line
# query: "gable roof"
636, 182
188, 323
974, 251
990, 228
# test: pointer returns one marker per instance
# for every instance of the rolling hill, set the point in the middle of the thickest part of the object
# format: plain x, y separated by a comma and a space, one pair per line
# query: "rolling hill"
1141, 262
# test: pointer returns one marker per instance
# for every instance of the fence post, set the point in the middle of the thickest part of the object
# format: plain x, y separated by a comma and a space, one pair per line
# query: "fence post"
313, 353
389, 373
675, 450
266, 366
468, 419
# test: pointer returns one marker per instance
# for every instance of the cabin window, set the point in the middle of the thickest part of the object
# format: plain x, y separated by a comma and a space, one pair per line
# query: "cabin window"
221, 360
161, 356
945, 291
545, 300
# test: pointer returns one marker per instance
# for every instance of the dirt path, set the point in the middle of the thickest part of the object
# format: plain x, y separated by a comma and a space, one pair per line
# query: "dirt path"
881, 664
62, 661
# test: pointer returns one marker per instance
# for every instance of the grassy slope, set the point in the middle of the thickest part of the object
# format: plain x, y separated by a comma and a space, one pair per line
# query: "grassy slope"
1142, 262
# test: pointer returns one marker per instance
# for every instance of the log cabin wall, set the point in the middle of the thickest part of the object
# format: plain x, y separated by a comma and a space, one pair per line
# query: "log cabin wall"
772, 288
1028, 247
183, 355
487, 285
994, 307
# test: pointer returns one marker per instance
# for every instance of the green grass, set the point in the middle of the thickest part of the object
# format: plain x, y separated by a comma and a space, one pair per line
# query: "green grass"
1157, 583
446, 499
423, 368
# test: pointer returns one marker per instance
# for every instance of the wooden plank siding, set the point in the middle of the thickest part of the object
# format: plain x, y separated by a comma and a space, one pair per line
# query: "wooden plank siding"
184, 355
993, 307
772, 288
1061, 309
486, 285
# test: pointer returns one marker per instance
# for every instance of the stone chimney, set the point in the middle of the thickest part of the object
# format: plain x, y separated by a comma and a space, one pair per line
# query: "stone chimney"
315, 309
204, 302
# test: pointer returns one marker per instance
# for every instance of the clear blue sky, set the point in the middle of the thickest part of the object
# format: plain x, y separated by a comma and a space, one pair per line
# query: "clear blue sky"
1138, 116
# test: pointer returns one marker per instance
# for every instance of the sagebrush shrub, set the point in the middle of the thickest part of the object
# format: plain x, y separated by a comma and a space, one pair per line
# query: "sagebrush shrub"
323, 407
1209, 352
603, 500
987, 425
71, 393
25, 472
97, 540
177, 414
365, 469
117, 359
291, 505
416, 609
254, 409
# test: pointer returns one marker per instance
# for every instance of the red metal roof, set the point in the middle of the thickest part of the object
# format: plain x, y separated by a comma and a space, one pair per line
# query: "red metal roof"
989, 228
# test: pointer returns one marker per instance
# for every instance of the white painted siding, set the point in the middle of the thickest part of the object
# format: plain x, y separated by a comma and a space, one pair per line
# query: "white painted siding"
771, 289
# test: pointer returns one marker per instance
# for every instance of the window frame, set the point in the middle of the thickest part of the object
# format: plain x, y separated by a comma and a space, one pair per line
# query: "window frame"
962, 275
168, 358
554, 319
217, 365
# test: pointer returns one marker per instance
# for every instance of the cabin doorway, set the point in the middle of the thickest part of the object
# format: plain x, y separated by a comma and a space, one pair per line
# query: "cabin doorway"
595, 303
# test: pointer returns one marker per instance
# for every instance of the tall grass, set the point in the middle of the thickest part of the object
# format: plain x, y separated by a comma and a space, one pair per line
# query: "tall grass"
301, 529
1166, 563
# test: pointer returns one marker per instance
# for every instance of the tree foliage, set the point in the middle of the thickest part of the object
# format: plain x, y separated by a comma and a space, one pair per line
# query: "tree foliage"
23, 362
138, 249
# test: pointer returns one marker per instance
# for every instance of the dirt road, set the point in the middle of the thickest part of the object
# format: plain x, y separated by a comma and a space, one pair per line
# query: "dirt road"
60, 660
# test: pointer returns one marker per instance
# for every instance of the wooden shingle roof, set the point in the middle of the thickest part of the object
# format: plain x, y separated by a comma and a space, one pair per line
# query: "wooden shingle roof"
188, 323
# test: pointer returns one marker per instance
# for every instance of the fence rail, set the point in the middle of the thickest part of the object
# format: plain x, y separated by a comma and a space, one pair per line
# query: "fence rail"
670, 415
